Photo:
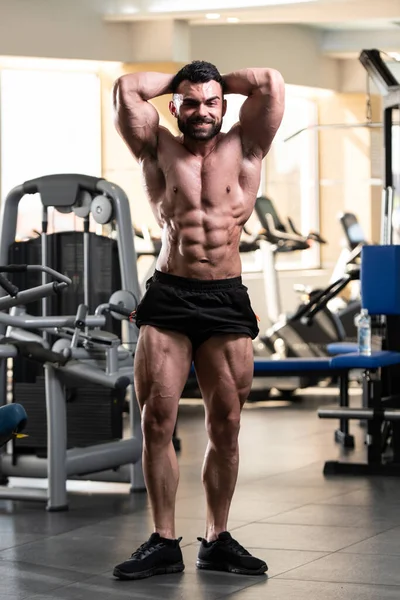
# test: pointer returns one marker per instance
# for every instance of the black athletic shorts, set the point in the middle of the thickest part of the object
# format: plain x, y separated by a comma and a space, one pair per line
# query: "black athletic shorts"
197, 308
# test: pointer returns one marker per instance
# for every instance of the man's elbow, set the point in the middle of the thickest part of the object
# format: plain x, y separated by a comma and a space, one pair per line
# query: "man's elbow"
126, 85
274, 80
273, 85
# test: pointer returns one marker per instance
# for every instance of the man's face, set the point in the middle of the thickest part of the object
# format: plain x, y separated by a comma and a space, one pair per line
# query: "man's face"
199, 109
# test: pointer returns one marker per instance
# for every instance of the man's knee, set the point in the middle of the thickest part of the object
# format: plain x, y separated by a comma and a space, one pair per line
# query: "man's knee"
158, 421
223, 430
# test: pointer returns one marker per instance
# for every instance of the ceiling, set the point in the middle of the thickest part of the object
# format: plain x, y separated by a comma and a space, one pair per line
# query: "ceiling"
324, 14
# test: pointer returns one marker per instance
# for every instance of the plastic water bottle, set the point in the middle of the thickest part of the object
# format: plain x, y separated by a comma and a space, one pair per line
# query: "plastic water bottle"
363, 324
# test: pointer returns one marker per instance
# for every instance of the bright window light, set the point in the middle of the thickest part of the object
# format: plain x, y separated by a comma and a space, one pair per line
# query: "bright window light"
129, 10
232, 20
213, 16
50, 123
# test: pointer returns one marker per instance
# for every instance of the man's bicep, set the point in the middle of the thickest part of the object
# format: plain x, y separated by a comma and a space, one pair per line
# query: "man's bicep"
260, 117
137, 121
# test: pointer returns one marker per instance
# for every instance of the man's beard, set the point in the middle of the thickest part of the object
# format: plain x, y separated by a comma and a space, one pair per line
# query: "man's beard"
188, 128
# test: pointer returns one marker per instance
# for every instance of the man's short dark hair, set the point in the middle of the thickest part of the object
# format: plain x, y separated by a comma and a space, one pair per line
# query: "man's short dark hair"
197, 71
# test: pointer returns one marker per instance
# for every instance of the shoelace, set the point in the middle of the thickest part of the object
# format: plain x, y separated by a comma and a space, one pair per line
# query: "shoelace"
144, 550
233, 545
237, 548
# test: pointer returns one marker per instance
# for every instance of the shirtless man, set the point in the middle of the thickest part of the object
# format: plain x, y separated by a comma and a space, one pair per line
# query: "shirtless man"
202, 187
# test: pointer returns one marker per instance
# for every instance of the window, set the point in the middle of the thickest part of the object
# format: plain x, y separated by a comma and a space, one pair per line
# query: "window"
50, 123
292, 181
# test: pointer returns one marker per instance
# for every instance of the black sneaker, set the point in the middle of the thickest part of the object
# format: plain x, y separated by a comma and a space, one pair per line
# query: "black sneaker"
226, 554
157, 556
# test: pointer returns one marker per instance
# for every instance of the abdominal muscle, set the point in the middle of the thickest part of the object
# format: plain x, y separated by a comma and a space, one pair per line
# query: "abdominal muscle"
192, 252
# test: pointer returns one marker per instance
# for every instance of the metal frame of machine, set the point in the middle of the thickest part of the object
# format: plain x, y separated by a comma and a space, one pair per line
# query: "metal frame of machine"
100, 359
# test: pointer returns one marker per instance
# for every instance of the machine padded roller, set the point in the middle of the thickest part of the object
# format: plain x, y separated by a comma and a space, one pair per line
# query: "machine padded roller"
102, 209
13, 419
61, 190
122, 304
342, 348
36, 351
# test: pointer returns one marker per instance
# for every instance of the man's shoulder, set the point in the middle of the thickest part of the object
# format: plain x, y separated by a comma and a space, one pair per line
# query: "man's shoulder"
167, 139
166, 134
233, 134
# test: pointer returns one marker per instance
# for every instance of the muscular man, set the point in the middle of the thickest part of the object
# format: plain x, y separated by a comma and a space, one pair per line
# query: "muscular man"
202, 187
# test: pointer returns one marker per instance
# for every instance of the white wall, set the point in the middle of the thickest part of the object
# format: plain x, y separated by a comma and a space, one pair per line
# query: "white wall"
293, 50
353, 77
62, 29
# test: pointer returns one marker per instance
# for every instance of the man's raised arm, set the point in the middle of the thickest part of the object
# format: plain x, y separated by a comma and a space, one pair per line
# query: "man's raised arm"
136, 119
262, 112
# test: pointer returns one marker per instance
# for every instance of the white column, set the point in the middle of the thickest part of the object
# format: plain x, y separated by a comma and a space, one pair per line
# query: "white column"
160, 41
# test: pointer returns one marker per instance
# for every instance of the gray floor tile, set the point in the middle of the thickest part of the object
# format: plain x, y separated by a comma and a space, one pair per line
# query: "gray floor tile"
199, 586
18, 579
40, 522
312, 476
351, 568
343, 516
384, 543
370, 495
287, 494
300, 537
279, 589
11, 539
278, 561
93, 554
246, 506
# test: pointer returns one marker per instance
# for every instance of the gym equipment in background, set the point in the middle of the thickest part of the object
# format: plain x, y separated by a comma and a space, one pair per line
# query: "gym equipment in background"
76, 352
379, 293
346, 308
13, 417
290, 335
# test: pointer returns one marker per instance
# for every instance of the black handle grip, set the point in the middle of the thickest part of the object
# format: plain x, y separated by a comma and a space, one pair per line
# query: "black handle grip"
120, 310
59, 286
122, 383
13, 268
35, 351
11, 289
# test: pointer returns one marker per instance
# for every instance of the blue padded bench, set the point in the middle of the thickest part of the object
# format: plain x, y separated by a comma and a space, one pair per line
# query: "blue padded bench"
380, 295
288, 366
376, 360
341, 362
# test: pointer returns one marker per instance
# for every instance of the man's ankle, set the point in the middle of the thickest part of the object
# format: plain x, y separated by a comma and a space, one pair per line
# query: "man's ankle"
212, 534
165, 534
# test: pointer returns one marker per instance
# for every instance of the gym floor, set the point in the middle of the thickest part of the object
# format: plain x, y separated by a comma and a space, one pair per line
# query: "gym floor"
336, 538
